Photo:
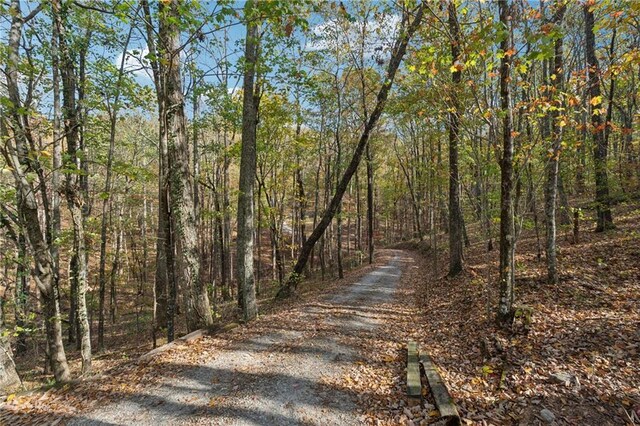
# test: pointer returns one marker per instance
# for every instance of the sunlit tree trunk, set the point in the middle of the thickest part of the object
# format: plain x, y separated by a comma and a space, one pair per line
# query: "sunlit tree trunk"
198, 310
507, 232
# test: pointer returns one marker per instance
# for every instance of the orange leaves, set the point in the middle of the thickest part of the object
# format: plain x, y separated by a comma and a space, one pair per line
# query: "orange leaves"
573, 101
546, 28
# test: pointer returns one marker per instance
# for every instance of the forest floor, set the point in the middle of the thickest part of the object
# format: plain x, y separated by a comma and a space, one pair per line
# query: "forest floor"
338, 356
576, 363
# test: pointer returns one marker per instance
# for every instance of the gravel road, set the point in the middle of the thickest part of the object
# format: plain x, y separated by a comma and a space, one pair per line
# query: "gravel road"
278, 378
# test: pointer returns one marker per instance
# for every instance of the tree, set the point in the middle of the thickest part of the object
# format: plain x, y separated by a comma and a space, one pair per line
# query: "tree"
74, 194
164, 309
199, 313
15, 152
250, 104
455, 212
507, 230
551, 187
598, 127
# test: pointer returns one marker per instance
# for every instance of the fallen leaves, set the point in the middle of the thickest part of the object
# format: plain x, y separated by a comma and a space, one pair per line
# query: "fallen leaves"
587, 327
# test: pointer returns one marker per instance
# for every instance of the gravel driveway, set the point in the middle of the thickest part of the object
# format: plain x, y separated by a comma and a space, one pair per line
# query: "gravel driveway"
277, 378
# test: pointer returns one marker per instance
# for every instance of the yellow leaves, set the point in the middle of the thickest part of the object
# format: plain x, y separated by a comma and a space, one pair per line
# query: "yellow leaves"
456, 67
487, 114
388, 358
562, 122
11, 397
596, 100
45, 154
522, 68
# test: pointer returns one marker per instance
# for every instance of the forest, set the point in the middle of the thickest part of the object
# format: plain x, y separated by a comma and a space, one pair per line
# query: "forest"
241, 212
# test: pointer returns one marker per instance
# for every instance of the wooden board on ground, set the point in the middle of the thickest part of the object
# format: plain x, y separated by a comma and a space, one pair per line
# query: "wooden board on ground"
440, 393
414, 385
194, 335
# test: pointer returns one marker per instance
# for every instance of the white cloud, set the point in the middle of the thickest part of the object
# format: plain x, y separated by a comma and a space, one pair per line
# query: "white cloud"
136, 62
380, 34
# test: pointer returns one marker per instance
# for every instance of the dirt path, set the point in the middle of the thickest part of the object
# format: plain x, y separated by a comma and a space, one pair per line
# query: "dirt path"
279, 373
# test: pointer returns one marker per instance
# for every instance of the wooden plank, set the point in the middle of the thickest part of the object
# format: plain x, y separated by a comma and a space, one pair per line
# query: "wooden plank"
414, 386
440, 393
194, 335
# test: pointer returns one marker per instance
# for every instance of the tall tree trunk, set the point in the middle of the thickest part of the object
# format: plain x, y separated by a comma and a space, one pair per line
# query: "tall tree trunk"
399, 50
73, 189
246, 285
551, 187
15, 153
115, 268
21, 295
9, 379
455, 212
337, 174
198, 310
603, 202
370, 206
507, 233
54, 231
164, 246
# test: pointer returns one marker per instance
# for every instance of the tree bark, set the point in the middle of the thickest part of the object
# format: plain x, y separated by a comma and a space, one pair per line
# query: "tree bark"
246, 284
370, 206
9, 379
455, 212
198, 310
507, 233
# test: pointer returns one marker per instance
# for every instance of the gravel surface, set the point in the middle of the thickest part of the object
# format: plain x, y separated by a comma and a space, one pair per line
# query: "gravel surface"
279, 377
